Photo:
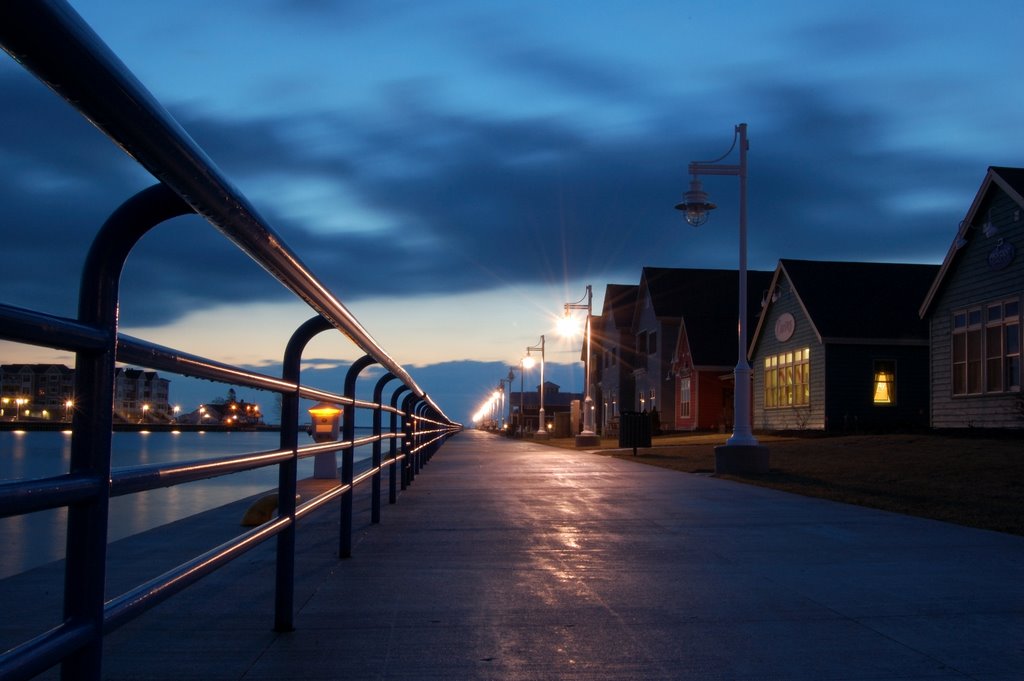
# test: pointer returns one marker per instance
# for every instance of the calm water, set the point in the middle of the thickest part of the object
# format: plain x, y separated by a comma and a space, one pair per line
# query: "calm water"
38, 538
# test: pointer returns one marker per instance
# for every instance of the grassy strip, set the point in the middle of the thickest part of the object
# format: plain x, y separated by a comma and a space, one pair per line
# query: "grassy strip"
970, 480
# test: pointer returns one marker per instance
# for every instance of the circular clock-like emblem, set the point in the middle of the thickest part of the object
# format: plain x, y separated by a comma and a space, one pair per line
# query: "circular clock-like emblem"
1001, 256
785, 325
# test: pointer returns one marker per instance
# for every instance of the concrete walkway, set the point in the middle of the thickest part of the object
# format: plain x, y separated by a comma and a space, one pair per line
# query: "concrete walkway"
507, 560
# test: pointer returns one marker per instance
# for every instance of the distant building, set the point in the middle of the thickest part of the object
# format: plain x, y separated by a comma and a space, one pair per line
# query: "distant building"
973, 312
41, 390
47, 391
229, 412
141, 396
555, 402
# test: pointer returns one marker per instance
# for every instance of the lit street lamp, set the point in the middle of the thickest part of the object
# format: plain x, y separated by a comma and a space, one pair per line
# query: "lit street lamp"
741, 453
589, 436
528, 361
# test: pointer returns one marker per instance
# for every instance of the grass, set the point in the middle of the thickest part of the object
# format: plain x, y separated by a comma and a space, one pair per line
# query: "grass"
969, 479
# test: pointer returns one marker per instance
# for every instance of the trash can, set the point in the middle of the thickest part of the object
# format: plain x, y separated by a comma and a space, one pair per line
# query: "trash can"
634, 429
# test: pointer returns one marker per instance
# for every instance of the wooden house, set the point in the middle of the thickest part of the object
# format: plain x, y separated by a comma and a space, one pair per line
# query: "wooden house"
840, 346
973, 312
704, 349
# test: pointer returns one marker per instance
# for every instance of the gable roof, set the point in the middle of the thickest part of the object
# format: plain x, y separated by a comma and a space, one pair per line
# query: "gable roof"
857, 301
683, 292
619, 301
705, 302
1011, 181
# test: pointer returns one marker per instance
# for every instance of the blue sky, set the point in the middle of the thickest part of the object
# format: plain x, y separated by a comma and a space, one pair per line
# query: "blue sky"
456, 171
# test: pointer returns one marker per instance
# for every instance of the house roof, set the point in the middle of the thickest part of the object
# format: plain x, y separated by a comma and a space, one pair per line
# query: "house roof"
619, 301
1011, 181
705, 301
857, 301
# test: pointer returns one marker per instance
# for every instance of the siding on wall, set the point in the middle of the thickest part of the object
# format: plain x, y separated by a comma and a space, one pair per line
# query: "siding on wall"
850, 377
971, 281
811, 417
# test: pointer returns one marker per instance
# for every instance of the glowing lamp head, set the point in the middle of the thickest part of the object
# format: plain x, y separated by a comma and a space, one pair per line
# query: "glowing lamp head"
326, 417
529, 362
696, 205
568, 326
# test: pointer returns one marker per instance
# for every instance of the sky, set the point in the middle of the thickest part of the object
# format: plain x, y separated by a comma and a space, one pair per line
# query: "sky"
456, 171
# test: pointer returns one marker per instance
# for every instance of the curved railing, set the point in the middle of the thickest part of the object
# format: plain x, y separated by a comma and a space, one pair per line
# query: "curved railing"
49, 39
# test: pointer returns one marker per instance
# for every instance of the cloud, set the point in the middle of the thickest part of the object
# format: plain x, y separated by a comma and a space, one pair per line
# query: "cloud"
433, 200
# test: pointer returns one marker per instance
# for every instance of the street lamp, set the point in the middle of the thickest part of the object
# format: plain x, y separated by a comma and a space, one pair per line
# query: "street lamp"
741, 453
145, 408
589, 436
528, 362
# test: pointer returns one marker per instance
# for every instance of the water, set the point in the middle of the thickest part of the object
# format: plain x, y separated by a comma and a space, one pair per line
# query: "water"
39, 538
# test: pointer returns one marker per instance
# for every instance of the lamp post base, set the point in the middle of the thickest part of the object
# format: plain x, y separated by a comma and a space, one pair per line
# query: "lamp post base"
541, 435
325, 466
588, 440
742, 459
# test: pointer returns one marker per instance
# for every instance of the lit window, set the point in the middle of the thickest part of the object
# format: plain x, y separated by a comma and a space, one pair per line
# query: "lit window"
787, 379
885, 382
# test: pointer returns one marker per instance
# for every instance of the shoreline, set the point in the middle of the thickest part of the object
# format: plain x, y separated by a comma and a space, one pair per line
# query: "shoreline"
45, 426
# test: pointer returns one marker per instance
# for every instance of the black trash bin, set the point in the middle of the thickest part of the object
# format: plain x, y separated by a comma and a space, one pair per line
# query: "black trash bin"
634, 429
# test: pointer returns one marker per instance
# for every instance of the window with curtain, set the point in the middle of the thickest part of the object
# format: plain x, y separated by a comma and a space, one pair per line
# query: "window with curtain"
884, 382
684, 397
986, 349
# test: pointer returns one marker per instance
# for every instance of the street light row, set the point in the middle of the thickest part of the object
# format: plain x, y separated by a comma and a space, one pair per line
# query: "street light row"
742, 451
566, 327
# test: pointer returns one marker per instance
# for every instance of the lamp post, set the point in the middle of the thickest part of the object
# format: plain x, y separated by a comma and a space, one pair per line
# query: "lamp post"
522, 375
507, 427
542, 433
742, 453
589, 436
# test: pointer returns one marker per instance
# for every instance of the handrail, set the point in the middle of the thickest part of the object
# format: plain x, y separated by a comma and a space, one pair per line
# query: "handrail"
90, 77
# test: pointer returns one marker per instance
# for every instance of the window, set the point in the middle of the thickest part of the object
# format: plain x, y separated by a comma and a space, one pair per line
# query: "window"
652, 397
684, 397
652, 343
986, 349
787, 378
885, 382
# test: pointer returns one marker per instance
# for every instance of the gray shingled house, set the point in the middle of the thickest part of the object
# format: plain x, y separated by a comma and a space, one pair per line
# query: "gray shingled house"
840, 346
973, 312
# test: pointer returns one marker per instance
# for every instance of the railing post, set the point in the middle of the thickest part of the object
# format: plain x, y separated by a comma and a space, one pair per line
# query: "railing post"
287, 476
421, 454
408, 438
85, 564
396, 473
378, 392
348, 434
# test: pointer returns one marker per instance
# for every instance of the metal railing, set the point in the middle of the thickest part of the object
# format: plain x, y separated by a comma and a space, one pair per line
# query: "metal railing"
50, 40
